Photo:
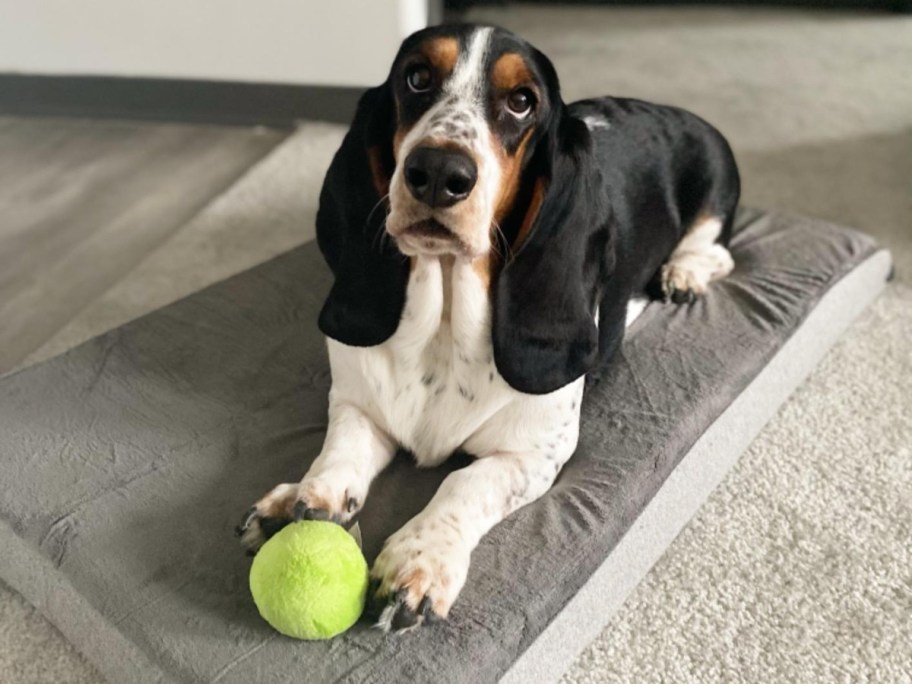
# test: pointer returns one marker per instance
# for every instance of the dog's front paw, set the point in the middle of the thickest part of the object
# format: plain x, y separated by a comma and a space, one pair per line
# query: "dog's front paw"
418, 574
314, 498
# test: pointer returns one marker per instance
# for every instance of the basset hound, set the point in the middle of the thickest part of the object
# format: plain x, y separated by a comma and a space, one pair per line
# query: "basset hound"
486, 240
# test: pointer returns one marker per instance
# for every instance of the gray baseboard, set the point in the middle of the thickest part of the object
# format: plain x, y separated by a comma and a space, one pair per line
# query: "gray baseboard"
212, 102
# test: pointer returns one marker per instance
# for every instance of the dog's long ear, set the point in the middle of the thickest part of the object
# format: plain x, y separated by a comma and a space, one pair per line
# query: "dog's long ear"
545, 297
365, 303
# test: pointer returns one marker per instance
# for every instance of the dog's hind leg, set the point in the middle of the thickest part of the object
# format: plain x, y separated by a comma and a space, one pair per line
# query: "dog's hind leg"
697, 260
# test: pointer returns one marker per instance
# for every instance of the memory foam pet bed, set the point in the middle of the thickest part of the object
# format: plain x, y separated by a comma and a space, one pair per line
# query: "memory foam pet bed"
126, 462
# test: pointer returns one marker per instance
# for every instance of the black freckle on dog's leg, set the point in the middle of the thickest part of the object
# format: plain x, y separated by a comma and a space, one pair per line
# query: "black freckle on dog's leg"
351, 504
573, 405
524, 486
270, 526
428, 379
491, 376
450, 518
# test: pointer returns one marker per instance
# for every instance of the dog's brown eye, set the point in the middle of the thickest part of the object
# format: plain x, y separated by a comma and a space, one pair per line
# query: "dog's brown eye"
521, 101
418, 78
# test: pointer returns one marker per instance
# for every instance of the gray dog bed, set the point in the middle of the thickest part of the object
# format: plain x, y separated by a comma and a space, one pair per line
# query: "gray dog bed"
126, 463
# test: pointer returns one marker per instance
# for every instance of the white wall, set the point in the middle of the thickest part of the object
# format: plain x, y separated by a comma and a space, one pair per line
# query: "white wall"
321, 42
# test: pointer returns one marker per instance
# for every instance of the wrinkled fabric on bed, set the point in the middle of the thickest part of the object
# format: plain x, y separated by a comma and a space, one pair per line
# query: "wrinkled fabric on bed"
126, 462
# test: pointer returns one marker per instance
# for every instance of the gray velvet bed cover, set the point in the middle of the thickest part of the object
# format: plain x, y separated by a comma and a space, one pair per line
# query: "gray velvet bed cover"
126, 462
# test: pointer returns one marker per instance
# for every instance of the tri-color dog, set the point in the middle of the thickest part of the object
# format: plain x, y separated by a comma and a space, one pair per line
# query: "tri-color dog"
486, 241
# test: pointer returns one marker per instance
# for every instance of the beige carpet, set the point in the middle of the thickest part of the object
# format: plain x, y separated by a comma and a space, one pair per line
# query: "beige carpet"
798, 569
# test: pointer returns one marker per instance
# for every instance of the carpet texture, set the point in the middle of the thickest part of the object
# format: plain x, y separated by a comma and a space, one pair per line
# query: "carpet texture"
818, 106
799, 567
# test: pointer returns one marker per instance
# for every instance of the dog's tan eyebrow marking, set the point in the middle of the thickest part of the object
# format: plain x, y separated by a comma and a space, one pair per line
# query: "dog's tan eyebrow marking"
511, 71
442, 53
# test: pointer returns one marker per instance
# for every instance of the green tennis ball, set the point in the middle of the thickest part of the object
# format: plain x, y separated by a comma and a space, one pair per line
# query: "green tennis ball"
309, 581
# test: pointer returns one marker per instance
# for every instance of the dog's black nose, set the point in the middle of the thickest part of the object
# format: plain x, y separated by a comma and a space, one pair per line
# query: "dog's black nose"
439, 177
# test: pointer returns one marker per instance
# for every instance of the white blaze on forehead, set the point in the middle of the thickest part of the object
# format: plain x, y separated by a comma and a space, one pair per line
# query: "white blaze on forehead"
459, 113
467, 80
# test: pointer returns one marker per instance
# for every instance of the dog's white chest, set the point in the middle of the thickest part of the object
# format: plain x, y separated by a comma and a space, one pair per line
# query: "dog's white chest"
434, 383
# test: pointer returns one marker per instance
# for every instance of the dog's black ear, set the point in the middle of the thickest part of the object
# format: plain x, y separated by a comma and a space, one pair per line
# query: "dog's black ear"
365, 303
545, 297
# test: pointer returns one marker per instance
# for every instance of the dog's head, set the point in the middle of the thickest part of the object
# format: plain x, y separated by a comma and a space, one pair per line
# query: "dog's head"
468, 150
471, 105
